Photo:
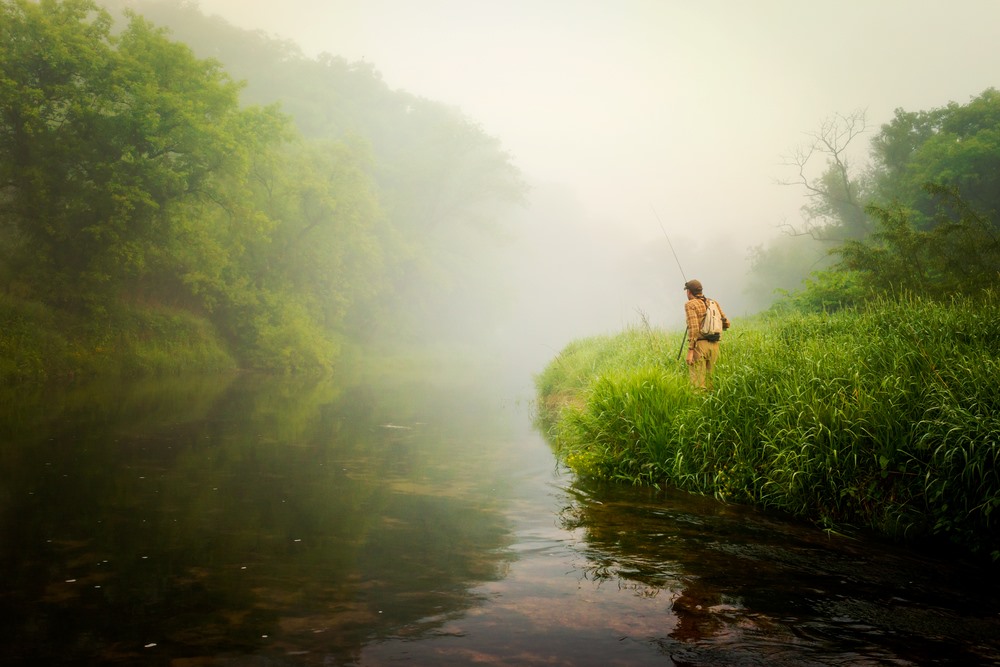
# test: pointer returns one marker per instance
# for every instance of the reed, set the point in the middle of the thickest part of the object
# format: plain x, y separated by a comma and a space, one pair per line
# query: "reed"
885, 417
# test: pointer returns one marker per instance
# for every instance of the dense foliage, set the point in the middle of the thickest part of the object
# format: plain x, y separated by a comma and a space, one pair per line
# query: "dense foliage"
957, 147
884, 418
443, 184
922, 217
133, 175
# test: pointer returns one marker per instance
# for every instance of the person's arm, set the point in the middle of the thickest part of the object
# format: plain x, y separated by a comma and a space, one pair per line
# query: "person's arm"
693, 327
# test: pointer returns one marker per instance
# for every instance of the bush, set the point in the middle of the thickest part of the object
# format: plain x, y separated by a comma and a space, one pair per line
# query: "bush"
39, 343
32, 343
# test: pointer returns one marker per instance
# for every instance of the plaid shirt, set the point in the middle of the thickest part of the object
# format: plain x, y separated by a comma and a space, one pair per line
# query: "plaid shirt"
694, 312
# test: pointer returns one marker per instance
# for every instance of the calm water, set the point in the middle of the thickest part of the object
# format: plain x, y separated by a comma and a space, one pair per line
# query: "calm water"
242, 521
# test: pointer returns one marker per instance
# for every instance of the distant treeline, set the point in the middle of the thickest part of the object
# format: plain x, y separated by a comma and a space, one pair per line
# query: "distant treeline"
307, 209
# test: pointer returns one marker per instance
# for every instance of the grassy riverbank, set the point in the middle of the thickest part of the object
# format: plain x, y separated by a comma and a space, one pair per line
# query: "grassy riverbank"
38, 343
887, 418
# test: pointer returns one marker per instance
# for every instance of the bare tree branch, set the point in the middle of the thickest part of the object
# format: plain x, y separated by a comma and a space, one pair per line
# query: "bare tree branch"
834, 210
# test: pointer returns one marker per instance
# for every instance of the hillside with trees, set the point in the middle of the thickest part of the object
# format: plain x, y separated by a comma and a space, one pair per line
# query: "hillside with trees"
153, 160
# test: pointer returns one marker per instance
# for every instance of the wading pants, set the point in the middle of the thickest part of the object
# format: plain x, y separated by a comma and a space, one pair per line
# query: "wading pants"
706, 355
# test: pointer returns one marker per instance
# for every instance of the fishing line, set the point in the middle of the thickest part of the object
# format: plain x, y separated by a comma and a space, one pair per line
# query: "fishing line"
664, 230
674, 252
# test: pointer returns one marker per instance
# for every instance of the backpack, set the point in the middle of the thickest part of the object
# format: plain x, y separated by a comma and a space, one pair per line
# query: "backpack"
711, 325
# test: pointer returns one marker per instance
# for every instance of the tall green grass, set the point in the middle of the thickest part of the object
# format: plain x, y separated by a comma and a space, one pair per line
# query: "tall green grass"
885, 418
38, 343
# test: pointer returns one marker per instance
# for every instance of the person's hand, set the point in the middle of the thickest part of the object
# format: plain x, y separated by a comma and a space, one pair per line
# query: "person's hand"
690, 357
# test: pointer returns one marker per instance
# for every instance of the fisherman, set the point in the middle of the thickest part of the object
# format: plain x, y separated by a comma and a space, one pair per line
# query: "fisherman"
703, 352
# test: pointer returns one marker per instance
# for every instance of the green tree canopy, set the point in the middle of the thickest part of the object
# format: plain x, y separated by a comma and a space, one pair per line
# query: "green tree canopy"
133, 171
957, 147
105, 139
959, 254
924, 218
130, 172
443, 184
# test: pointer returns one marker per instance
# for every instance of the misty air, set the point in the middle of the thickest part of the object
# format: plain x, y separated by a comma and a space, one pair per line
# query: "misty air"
534, 333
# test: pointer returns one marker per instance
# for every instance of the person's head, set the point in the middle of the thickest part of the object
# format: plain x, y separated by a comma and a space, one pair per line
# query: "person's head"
693, 287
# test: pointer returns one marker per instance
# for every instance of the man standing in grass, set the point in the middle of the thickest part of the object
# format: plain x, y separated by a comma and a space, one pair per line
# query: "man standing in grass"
703, 339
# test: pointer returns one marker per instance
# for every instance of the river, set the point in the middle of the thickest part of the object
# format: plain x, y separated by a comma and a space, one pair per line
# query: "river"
259, 521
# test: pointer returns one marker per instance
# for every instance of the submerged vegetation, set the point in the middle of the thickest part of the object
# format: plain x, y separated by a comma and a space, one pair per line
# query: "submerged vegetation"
883, 417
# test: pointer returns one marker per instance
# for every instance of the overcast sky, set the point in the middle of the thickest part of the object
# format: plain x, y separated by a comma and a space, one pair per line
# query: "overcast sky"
688, 106
685, 107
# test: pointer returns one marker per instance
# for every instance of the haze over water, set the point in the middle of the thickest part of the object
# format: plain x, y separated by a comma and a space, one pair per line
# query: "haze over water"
254, 520
613, 108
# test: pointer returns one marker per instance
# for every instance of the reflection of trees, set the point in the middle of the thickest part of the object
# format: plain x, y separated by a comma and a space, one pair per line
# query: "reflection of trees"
255, 518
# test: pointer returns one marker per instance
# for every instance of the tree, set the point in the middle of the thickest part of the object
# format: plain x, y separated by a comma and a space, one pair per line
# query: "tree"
326, 246
936, 199
780, 267
130, 172
955, 147
932, 194
51, 58
836, 198
443, 184
836, 195
110, 146
956, 255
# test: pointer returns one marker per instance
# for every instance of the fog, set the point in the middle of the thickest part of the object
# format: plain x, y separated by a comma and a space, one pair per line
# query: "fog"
614, 110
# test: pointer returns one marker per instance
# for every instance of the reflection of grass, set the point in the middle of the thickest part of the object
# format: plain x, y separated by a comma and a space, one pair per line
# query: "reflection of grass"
886, 418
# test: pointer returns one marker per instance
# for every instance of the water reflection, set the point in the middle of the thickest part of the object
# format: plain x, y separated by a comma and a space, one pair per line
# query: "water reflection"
749, 588
221, 517
244, 520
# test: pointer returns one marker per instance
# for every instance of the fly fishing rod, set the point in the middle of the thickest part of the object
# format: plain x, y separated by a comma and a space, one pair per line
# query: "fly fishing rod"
679, 267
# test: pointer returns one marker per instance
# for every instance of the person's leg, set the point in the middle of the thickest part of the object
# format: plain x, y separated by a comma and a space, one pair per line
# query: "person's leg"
711, 357
697, 369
